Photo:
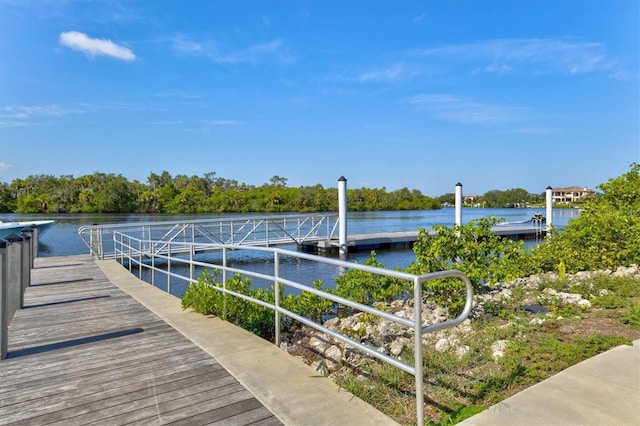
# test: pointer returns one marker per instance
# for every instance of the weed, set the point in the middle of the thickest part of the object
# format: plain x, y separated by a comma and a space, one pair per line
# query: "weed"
633, 317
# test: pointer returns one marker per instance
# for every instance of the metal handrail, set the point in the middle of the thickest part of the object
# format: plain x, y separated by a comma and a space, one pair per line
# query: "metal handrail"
272, 230
132, 250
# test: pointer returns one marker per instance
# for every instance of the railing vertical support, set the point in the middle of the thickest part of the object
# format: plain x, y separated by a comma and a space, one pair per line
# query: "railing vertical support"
419, 374
140, 246
276, 274
192, 267
129, 253
224, 264
152, 253
169, 268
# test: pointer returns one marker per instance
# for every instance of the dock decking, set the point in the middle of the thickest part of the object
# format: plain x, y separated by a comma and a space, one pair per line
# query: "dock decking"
83, 351
405, 240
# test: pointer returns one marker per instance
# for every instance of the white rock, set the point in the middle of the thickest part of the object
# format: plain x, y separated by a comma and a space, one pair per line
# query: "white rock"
318, 343
442, 345
537, 321
498, 349
333, 358
584, 304
397, 346
462, 351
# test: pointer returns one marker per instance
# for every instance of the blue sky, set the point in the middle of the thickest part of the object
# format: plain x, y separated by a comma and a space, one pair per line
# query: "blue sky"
423, 94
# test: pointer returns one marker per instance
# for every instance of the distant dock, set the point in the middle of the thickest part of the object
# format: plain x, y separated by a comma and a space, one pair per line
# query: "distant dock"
405, 240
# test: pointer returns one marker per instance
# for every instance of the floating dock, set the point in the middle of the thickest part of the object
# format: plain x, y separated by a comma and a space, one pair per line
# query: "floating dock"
405, 240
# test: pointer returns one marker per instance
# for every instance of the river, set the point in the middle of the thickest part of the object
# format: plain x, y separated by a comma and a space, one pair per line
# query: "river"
62, 238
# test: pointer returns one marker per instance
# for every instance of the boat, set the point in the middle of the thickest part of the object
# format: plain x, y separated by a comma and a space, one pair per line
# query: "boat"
7, 228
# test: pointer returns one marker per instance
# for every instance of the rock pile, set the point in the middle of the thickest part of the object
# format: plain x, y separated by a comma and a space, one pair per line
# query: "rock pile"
393, 339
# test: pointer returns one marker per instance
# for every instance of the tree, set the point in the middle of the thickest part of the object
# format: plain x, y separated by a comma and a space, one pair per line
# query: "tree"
605, 235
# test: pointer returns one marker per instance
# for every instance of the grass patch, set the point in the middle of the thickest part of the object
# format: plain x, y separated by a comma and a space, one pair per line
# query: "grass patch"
457, 387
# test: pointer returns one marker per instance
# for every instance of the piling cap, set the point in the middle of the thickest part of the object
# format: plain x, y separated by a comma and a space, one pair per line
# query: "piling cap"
13, 238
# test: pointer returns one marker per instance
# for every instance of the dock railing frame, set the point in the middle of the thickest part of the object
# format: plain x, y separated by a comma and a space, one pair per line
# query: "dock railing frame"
136, 254
238, 231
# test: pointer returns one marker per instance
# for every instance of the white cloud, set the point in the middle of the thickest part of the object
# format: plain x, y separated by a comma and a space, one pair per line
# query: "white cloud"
5, 166
95, 47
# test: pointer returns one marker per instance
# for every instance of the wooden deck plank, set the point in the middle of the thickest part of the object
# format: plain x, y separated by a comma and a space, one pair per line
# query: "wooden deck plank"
83, 351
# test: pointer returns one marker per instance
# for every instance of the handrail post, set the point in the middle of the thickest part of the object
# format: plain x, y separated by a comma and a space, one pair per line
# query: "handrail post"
152, 253
169, 267
276, 274
140, 245
192, 267
224, 264
418, 368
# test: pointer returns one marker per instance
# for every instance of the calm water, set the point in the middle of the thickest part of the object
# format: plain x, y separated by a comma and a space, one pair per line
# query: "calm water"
62, 238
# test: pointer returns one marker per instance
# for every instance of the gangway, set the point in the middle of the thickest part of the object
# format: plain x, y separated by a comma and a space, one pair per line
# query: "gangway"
199, 235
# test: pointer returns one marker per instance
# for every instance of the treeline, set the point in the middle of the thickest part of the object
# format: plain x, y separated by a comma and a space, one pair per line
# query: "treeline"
515, 197
163, 193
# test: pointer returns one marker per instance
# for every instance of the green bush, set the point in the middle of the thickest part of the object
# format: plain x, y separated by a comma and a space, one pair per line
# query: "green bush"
366, 287
604, 236
205, 296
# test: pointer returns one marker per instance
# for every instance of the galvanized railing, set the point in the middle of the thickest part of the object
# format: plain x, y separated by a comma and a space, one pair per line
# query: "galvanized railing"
238, 231
143, 254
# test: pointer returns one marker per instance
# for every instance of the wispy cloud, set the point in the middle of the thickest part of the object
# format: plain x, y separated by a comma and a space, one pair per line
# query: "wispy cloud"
535, 55
389, 74
178, 94
14, 111
93, 47
252, 54
22, 116
5, 166
466, 111
225, 122
216, 122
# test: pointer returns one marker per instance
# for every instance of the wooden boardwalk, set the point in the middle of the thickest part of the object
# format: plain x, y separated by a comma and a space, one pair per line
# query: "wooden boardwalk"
83, 351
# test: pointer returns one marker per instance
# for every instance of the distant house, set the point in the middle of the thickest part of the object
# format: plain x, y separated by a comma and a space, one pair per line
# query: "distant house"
469, 199
570, 194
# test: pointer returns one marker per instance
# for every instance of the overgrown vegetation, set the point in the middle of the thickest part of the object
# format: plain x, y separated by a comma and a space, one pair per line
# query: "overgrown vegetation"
536, 345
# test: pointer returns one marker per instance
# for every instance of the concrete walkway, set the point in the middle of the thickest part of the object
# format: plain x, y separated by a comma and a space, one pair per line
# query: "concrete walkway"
290, 389
603, 390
